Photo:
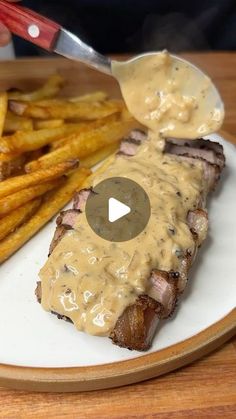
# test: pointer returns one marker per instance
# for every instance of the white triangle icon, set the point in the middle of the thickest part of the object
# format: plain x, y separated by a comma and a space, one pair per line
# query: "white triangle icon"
116, 210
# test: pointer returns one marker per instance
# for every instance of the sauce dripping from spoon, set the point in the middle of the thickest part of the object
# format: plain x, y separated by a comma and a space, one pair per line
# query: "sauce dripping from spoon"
170, 96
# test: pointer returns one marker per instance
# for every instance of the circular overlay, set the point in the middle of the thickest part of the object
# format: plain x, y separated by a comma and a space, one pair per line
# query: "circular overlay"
112, 198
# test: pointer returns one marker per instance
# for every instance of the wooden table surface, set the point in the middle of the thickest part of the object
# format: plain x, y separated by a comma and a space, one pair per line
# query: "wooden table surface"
205, 388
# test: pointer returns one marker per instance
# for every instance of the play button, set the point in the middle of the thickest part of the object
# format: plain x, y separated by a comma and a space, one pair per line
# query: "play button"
118, 209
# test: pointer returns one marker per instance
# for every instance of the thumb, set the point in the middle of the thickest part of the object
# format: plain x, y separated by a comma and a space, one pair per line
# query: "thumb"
5, 35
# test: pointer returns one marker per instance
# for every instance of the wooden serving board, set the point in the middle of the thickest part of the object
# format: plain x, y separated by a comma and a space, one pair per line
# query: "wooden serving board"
27, 74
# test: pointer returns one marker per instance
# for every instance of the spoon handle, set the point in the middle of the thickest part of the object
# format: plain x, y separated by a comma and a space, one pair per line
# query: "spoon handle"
29, 25
50, 35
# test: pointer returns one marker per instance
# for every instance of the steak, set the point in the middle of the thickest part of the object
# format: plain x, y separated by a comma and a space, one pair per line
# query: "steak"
136, 327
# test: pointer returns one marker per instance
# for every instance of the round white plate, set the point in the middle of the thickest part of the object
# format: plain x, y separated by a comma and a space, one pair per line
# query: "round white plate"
32, 337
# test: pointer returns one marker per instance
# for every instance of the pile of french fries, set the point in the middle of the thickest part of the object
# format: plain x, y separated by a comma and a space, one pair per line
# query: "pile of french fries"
47, 147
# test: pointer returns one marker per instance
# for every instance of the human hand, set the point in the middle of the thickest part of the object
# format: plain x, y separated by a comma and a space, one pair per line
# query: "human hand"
5, 35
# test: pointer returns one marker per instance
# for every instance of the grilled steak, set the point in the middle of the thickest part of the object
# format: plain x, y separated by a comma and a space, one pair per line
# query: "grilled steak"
135, 328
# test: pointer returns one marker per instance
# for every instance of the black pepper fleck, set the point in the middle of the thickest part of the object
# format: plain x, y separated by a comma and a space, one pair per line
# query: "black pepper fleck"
171, 230
174, 274
68, 291
66, 269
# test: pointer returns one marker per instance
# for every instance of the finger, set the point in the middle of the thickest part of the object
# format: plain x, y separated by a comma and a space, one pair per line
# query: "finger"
5, 35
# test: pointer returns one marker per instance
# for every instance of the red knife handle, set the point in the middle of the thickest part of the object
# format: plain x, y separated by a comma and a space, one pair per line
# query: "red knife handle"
29, 25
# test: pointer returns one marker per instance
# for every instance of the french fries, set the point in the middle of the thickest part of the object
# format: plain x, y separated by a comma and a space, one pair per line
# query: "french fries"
98, 156
47, 210
49, 89
17, 199
48, 123
17, 183
43, 103
66, 110
42, 136
3, 110
27, 141
84, 127
90, 97
81, 145
16, 123
9, 223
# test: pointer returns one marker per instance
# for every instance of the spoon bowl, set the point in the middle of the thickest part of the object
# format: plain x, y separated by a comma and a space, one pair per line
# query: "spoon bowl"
197, 76
169, 95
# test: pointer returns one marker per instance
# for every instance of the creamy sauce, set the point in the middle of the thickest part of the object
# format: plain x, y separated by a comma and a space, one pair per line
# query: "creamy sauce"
92, 280
169, 99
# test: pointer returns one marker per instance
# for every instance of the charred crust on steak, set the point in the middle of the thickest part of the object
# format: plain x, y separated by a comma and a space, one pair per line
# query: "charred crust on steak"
130, 144
81, 197
64, 217
62, 317
135, 328
65, 221
38, 292
194, 150
194, 234
58, 235
137, 135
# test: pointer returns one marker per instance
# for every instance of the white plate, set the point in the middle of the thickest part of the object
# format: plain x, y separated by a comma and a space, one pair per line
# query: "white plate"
33, 337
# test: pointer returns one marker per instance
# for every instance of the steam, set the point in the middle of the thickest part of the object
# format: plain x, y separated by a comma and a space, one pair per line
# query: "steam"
174, 32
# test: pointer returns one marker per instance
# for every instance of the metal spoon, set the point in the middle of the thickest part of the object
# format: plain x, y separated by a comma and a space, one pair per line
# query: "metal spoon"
51, 36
